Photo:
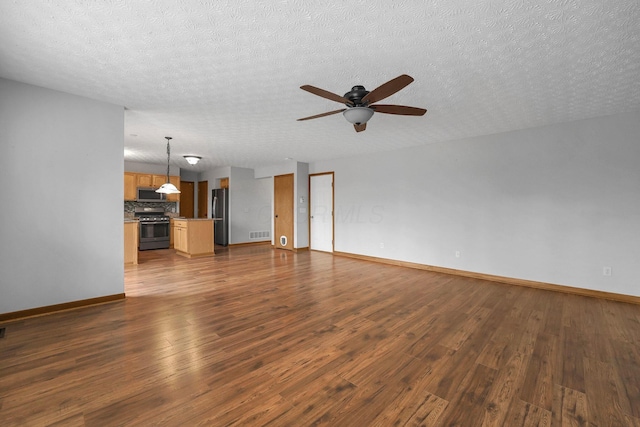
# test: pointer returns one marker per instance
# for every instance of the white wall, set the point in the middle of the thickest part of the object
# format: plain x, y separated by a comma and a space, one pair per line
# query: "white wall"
553, 204
249, 201
301, 205
213, 181
284, 168
300, 173
61, 167
152, 168
187, 175
249, 205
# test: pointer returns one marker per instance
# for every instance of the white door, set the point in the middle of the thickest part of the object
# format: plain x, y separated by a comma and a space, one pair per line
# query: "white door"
321, 212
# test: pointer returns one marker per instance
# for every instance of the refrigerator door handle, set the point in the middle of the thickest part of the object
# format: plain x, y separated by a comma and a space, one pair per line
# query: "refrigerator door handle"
214, 205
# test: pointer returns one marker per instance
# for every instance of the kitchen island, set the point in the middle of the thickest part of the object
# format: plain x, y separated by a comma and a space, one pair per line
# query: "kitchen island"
130, 241
193, 237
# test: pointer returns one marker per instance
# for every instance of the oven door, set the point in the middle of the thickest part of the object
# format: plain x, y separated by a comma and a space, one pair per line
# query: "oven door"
154, 235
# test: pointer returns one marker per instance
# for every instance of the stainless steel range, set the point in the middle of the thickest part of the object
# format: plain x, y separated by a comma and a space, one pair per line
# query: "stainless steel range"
154, 228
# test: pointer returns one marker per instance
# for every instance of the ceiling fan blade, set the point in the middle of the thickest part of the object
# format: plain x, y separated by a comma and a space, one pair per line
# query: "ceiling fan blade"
387, 89
360, 127
322, 115
398, 109
326, 94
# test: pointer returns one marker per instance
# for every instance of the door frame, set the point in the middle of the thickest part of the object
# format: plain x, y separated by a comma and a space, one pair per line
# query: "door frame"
333, 208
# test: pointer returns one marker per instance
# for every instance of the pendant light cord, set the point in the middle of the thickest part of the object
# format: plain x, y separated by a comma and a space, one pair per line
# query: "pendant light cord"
168, 155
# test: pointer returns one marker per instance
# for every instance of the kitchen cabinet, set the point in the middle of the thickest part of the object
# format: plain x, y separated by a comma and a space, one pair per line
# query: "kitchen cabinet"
131, 242
175, 180
133, 180
158, 180
144, 180
224, 182
180, 238
193, 237
150, 180
130, 186
172, 231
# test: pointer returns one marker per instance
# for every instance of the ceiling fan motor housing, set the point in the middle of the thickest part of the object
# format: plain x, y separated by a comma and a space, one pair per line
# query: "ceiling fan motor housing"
355, 95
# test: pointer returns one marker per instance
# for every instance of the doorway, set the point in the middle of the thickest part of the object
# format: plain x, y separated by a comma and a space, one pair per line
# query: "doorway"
203, 199
283, 211
187, 189
321, 212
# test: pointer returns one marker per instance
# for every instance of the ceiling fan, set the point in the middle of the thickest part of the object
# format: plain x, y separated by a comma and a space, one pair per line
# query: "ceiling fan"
361, 103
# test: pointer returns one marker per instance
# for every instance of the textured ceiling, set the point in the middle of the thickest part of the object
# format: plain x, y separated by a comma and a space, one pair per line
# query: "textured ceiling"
222, 77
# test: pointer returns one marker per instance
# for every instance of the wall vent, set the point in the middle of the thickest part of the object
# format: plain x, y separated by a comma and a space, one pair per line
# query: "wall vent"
261, 235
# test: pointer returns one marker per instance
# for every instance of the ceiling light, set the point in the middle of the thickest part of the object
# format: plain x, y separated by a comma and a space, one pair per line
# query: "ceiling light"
192, 159
358, 115
168, 187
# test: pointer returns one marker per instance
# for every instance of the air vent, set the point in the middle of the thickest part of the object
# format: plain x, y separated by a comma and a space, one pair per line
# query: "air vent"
259, 235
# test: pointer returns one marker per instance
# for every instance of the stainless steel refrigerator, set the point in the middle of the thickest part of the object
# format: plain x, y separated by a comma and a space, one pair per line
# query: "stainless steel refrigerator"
220, 215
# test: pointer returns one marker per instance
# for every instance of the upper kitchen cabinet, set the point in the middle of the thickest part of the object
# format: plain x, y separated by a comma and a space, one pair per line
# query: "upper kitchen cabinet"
175, 180
130, 184
158, 180
133, 180
224, 182
144, 180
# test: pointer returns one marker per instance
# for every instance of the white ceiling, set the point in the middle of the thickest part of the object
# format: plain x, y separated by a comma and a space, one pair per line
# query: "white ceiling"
222, 77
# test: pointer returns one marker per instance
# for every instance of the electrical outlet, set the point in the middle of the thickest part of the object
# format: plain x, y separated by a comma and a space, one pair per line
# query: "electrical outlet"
457, 254
606, 271
381, 245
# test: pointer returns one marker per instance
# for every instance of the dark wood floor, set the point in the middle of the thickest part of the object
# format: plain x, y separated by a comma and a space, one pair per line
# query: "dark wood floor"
256, 336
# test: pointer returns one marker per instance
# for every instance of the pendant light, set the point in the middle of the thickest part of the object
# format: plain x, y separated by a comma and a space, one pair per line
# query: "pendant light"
168, 187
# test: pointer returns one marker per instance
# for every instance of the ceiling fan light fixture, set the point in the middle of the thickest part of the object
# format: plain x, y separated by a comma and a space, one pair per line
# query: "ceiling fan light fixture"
358, 115
192, 159
168, 187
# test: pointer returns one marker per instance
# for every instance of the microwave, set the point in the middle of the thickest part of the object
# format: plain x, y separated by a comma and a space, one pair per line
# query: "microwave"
148, 194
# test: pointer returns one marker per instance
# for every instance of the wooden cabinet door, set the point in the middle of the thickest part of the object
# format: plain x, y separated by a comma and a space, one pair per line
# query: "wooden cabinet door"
182, 240
129, 186
180, 236
176, 238
177, 242
144, 180
175, 180
158, 180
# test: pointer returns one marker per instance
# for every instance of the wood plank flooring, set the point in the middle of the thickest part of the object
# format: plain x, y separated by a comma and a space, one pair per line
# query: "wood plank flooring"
262, 337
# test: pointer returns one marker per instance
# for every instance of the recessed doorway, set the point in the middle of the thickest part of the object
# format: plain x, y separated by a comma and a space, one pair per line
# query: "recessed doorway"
187, 189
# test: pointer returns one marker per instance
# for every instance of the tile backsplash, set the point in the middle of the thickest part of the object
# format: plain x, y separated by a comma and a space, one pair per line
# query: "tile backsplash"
169, 207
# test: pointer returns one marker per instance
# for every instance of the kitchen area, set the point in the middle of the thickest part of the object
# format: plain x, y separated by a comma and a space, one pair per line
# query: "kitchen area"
152, 220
